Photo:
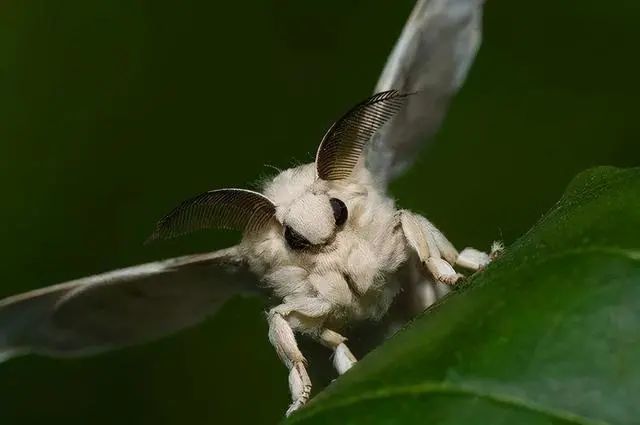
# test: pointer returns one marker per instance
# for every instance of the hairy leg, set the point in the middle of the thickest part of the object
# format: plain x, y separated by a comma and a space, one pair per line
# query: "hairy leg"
283, 340
343, 359
420, 237
422, 290
472, 259
437, 253
302, 314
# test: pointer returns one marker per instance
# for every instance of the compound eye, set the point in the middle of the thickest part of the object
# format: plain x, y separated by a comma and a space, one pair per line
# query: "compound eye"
340, 212
295, 240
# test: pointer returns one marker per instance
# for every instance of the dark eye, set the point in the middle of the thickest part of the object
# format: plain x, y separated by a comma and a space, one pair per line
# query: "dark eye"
340, 212
295, 240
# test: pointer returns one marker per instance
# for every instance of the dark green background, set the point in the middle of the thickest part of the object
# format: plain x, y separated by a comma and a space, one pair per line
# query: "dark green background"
113, 111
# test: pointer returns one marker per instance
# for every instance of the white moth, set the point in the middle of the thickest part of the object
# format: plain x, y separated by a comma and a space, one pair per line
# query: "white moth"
324, 237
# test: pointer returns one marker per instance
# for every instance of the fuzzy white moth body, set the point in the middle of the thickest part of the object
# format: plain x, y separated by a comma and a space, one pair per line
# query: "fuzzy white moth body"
347, 274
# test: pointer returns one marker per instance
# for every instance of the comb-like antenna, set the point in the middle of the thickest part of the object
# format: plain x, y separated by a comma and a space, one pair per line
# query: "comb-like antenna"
341, 147
237, 209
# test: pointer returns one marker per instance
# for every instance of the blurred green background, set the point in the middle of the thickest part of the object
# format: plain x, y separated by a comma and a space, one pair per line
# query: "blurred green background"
112, 111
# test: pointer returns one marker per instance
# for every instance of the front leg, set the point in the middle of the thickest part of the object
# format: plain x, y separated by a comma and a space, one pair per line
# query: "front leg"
302, 314
436, 252
283, 340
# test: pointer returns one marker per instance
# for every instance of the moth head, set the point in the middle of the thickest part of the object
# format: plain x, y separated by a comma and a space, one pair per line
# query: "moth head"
313, 220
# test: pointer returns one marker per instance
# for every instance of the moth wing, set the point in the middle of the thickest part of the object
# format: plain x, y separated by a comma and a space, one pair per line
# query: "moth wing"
122, 307
431, 59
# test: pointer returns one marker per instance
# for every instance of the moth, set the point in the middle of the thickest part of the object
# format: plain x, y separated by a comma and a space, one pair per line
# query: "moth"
325, 238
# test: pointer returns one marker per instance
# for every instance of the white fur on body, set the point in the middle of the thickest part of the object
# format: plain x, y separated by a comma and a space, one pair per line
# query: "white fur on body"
345, 275
350, 272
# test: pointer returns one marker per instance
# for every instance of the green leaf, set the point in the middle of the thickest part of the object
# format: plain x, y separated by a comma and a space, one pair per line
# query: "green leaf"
548, 334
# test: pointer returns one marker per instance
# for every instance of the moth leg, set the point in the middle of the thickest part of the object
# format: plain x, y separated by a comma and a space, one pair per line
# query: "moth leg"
473, 259
343, 359
283, 340
421, 291
437, 245
428, 291
428, 244
469, 258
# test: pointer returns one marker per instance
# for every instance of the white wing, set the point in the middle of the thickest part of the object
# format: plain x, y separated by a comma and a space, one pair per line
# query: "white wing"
432, 56
122, 307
